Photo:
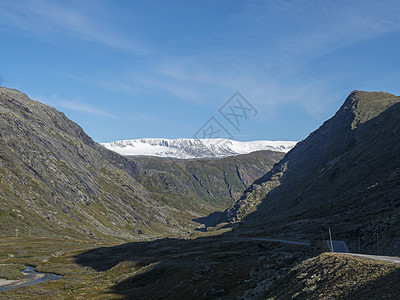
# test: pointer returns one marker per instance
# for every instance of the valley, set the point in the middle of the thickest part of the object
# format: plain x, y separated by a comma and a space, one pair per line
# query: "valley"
117, 227
205, 150
56, 181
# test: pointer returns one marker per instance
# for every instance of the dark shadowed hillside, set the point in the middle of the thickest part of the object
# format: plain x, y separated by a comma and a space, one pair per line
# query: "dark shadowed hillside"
345, 175
337, 276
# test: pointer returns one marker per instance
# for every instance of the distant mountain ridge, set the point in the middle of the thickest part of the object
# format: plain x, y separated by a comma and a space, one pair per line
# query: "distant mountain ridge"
215, 184
194, 148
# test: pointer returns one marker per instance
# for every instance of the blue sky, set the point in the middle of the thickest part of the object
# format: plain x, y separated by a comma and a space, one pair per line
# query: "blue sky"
132, 69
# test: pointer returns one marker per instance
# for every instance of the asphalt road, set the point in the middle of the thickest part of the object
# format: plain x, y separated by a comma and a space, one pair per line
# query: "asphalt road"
392, 259
340, 245
282, 241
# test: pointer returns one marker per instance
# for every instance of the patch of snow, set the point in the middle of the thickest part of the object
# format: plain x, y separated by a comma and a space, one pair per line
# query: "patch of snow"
194, 148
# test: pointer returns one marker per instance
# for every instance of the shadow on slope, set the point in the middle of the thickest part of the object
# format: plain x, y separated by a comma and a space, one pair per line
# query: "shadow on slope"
211, 220
342, 176
206, 267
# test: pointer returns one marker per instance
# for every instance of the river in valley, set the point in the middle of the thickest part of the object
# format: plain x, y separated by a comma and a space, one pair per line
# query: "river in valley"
32, 277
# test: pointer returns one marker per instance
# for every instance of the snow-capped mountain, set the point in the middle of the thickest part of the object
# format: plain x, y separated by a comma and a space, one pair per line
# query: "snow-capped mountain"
194, 148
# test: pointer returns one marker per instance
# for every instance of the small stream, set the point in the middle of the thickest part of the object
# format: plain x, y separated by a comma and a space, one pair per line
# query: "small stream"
32, 277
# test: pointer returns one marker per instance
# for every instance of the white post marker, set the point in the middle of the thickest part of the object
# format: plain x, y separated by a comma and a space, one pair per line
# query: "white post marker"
330, 237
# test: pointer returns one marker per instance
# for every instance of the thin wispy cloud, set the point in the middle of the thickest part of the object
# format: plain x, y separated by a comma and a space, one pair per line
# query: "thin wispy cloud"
269, 79
119, 85
288, 58
142, 117
83, 107
332, 28
283, 79
196, 79
48, 18
331, 38
75, 105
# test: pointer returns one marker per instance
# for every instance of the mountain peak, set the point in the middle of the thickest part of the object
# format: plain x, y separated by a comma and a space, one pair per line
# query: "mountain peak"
368, 105
14, 94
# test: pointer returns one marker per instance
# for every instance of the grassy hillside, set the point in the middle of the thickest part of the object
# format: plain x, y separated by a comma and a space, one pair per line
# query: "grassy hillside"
210, 183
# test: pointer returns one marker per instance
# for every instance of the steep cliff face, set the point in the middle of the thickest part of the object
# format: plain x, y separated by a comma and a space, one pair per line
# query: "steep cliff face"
56, 180
345, 175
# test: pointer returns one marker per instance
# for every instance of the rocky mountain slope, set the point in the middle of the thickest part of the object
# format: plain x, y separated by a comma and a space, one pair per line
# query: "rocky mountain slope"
194, 148
345, 175
55, 180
